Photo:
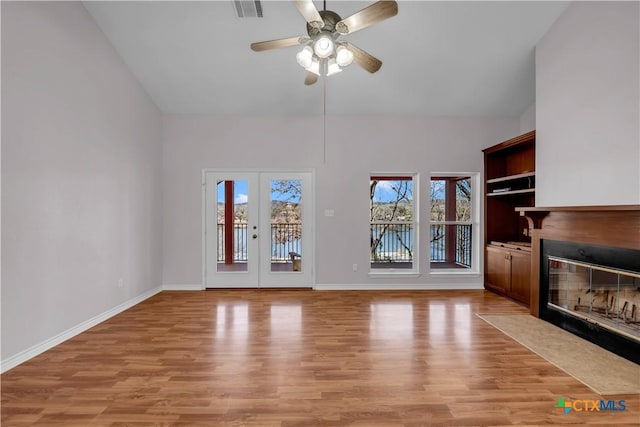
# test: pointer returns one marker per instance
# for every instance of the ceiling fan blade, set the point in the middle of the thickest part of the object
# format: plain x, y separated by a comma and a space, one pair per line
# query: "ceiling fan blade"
363, 59
308, 10
368, 16
275, 44
311, 78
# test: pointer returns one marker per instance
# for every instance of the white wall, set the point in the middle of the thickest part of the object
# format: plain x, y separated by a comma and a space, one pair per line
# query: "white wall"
81, 179
588, 107
193, 142
356, 146
528, 119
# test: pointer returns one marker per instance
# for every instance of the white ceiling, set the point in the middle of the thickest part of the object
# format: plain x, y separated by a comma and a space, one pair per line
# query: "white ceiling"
439, 58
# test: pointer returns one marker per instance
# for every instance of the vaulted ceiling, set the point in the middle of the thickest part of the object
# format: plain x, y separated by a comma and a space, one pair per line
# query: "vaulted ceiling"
445, 58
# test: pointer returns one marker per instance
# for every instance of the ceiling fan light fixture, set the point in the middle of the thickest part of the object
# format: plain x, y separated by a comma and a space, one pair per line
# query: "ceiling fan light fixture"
344, 56
305, 57
332, 67
314, 67
323, 46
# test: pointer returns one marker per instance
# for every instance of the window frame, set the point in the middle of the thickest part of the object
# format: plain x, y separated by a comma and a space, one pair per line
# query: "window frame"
381, 272
474, 269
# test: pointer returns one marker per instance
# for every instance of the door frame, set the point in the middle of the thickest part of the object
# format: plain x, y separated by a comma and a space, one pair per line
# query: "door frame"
258, 172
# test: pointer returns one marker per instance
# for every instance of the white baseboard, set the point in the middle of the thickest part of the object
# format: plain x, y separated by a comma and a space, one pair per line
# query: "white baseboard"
398, 286
47, 344
182, 287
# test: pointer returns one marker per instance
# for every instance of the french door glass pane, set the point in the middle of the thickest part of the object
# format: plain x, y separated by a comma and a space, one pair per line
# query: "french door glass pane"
286, 225
232, 202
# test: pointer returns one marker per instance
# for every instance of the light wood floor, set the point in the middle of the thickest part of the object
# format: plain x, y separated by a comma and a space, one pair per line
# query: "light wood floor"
298, 358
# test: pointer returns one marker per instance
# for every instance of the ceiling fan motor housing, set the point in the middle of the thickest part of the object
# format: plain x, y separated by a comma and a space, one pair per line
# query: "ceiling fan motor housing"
330, 20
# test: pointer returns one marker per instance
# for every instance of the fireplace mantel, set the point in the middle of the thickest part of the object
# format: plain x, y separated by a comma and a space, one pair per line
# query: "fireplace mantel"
613, 226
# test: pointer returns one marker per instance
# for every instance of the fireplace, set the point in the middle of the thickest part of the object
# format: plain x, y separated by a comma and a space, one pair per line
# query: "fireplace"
594, 292
585, 272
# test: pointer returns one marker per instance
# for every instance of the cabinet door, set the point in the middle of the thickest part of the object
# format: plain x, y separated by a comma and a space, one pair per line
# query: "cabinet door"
498, 266
520, 275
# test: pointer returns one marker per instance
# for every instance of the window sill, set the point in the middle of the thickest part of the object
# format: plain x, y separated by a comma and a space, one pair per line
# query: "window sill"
453, 272
390, 274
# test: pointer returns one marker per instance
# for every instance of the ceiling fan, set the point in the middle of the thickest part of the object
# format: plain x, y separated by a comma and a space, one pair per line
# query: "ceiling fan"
323, 52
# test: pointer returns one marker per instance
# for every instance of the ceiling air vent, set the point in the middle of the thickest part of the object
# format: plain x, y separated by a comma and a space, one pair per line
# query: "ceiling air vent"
248, 8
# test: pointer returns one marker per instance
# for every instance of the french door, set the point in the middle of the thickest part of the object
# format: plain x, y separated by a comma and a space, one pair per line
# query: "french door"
258, 229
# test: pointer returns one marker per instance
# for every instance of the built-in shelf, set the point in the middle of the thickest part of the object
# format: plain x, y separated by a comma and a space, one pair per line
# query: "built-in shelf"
511, 177
509, 182
519, 246
506, 193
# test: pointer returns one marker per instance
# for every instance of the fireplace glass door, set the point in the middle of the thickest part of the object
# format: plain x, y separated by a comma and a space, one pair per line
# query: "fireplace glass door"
602, 295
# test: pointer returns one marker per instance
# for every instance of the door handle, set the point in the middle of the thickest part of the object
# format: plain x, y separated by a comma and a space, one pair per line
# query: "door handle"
255, 236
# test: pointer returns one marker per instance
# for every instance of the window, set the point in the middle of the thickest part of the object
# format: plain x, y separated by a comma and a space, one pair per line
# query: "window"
452, 216
393, 226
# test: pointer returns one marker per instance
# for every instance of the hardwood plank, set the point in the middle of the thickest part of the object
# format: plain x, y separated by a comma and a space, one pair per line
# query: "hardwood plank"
298, 358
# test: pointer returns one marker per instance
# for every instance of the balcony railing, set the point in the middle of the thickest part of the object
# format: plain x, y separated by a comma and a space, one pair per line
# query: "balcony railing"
461, 239
285, 238
394, 243
391, 242
239, 242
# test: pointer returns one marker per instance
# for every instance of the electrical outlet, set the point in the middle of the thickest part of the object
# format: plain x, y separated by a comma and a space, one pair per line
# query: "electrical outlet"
355, 267
120, 283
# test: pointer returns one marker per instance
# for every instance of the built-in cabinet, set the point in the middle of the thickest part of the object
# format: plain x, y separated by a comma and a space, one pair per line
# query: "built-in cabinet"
509, 180
508, 271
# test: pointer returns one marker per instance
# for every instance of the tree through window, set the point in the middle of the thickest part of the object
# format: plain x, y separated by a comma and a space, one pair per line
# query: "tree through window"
392, 221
